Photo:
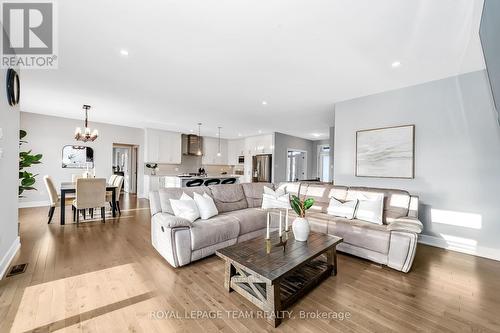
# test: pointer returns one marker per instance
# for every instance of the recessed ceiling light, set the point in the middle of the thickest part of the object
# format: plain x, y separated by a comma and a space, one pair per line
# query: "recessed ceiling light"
191, 130
264, 103
316, 135
239, 134
396, 64
260, 131
124, 52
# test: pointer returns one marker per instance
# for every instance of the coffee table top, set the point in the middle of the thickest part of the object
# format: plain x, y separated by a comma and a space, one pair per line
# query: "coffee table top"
276, 264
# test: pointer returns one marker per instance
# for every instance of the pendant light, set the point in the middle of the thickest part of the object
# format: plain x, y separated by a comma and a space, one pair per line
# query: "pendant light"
199, 140
218, 151
87, 135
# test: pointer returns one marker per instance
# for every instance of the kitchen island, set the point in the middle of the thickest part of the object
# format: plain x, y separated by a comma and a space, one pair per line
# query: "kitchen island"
191, 181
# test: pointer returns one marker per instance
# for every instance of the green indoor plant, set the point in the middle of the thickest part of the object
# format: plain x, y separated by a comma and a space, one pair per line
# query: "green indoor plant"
26, 159
300, 225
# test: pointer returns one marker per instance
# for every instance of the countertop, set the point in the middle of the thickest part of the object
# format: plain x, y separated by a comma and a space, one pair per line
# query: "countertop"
195, 177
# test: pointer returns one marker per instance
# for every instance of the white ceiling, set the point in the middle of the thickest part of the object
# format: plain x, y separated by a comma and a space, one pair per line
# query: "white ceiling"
215, 61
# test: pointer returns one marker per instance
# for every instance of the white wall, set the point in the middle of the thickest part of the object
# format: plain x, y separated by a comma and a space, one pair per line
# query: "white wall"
457, 156
9, 164
47, 135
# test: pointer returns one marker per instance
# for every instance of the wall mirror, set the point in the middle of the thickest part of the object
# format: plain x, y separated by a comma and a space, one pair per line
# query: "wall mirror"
77, 157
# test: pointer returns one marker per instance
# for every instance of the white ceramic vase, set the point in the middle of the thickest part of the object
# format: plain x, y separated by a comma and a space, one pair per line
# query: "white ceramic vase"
301, 229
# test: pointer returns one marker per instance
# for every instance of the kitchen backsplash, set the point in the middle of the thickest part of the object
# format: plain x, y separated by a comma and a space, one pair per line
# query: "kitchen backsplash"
191, 164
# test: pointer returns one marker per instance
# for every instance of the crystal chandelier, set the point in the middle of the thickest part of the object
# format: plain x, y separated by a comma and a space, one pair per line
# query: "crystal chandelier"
87, 135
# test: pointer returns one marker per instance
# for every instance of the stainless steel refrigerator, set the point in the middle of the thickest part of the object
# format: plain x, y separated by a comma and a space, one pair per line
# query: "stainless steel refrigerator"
261, 168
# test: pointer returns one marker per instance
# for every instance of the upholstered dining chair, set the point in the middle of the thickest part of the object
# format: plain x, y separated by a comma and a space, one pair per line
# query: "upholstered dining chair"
75, 177
90, 193
54, 198
118, 182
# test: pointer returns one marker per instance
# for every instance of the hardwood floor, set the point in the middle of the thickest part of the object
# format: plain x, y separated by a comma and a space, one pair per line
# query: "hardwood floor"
108, 278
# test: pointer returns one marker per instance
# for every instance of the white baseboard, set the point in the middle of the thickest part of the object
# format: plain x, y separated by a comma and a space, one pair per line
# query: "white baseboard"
480, 251
7, 258
28, 204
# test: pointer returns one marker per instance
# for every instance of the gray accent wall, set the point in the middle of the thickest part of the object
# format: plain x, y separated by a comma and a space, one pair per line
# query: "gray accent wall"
457, 173
283, 142
9, 163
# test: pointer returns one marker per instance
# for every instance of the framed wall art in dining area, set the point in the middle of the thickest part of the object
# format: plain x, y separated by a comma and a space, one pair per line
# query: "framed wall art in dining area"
387, 152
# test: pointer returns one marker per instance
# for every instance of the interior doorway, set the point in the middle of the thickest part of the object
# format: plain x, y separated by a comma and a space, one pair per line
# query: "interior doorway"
324, 163
296, 165
125, 164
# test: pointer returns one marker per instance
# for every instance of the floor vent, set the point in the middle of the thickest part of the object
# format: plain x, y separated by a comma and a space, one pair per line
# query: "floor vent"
17, 269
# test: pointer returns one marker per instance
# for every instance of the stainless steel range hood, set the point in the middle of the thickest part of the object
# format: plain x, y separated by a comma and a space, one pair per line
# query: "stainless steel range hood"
192, 145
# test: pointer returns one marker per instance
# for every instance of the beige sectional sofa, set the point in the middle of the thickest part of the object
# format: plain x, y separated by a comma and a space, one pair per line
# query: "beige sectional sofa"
240, 218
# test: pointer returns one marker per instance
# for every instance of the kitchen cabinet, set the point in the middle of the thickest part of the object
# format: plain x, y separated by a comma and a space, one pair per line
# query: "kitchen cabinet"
153, 183
162, 146
261, 144
210, 150
235, 148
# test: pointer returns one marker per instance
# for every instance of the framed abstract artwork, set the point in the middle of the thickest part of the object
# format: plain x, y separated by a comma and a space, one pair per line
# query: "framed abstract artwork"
386, 152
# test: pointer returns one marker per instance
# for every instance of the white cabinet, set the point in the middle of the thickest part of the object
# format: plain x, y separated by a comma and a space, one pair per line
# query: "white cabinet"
235, 148
153, 183
162, 146
210, 150
262, 144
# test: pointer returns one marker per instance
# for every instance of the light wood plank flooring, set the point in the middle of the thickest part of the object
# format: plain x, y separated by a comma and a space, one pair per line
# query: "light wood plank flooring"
108, 278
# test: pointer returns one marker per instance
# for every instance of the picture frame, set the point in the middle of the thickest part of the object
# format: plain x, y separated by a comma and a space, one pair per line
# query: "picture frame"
386, 152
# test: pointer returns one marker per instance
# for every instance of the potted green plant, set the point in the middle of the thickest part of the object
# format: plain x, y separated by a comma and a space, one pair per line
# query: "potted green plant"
26, 159
300, 225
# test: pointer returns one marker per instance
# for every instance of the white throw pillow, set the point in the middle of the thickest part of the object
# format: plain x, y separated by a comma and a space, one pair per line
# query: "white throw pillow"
185, 207
275, 199
342, 209
206, 206
370, 209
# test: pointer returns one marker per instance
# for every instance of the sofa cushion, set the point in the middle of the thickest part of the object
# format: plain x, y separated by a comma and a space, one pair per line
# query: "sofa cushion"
175, 193
253, 193
396, 202
250, 219
218, 229
229, 197
370, 236
292, 187
321, 193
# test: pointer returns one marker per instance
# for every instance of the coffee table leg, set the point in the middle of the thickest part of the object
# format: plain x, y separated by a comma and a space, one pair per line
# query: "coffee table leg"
331, 260
273, 305
229, 272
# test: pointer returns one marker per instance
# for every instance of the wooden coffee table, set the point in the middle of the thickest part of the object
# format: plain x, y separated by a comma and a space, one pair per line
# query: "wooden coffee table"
273, 281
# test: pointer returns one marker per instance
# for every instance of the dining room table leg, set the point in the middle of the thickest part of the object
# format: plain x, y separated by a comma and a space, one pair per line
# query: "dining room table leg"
113, 198
63, 202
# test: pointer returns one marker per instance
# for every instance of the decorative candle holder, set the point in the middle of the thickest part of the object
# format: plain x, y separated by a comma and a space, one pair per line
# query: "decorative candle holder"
283, 239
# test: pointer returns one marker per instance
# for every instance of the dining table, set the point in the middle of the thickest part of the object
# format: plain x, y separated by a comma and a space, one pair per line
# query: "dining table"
70, 187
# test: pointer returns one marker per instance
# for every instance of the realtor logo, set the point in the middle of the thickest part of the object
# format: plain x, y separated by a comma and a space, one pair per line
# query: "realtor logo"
28, 37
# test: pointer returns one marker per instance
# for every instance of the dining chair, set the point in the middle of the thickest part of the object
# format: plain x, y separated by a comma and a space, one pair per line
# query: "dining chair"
75, 177
118, 182
90, 194
54, 198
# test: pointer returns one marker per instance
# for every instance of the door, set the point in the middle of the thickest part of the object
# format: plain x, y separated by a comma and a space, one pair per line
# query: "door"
296, 165
324, 163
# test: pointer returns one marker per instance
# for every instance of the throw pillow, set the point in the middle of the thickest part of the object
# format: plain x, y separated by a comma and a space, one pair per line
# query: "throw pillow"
275, 199
206, 206
370, 209
185, 207
342, 209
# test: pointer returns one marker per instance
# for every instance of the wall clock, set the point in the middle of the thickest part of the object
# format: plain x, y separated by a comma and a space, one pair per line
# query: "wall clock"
13, 87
